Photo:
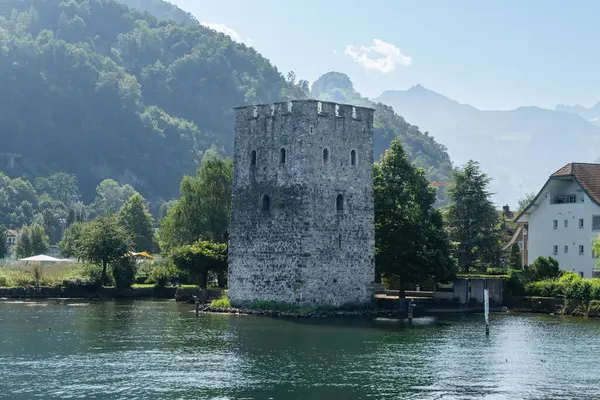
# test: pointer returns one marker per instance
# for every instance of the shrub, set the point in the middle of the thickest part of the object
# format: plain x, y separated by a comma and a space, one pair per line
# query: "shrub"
496, 271
543, 268
223, 302
124, 272
162, 274
5, 281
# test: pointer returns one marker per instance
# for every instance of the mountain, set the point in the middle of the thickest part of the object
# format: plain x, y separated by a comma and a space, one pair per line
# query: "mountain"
423, 150
591, 114
518, 148
162, 10
96, 89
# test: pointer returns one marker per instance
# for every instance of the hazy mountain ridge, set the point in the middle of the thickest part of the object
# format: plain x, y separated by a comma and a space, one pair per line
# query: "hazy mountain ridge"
518, 148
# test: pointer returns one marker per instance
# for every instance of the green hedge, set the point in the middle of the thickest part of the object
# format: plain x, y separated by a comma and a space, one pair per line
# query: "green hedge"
569, 286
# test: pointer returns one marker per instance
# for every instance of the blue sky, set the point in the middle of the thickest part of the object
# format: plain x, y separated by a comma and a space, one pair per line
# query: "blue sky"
491, 54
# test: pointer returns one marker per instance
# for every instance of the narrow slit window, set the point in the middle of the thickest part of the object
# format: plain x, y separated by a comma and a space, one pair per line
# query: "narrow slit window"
566, 249
580, 223
555, 249
339, 203
253, 157
353, 157
266, 203
325, 156
581, 250
282, 156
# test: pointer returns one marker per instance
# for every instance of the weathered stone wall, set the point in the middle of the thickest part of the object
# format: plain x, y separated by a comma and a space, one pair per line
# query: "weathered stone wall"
302, 249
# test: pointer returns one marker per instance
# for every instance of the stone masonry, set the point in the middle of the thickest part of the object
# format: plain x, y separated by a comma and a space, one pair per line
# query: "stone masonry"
302, 220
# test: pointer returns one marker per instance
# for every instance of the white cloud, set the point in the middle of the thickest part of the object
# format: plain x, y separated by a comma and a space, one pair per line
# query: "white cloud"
335, 52
228, 31
382, 56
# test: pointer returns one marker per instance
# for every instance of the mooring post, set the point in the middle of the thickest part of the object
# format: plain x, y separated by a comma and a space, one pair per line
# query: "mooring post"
486, 305
197, 305
411, 306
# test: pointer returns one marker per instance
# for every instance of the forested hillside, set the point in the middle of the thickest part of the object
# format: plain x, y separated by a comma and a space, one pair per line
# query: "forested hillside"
99, 90
421, 148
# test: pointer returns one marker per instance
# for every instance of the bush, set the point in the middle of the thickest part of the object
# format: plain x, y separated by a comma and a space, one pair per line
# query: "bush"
570, 286
496, 271
124, 272
543, 268
93, 273
5, 281
162, 274
223, 302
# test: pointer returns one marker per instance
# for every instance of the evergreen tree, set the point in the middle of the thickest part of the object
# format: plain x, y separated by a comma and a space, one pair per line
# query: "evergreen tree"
69, 245
472, 220
135, 218
515, 261
411, 244
104, 241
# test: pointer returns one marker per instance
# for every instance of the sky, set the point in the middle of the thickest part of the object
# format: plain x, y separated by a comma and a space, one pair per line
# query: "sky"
490, 54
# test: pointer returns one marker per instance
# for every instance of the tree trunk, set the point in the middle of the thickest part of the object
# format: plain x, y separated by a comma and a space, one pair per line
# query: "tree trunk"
221, 278
203, 278
401, 289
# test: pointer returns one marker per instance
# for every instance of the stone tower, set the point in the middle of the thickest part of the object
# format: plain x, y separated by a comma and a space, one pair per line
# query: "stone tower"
302, 216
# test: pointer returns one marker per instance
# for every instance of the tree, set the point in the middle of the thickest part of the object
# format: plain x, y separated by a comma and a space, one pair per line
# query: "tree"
32, 241
515, 261
525, 201
411, 244
69, 244
472, 220
135, 218
104, 241
110, 197
202, 212
543, 268
201, 257
3, 244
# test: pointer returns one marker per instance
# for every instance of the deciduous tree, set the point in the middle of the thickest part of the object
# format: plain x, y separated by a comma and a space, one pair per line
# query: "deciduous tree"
3, 244
32, 241
200, 258
135, 218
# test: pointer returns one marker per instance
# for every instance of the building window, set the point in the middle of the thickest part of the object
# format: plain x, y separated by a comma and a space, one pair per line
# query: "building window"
555, 249
580, 249
566, 249
581, 274
282, 156
555, 224
325, 156
253, 158
311, 129
596, 223
566, 223
580, 223
339, 203
265, 203
353, 157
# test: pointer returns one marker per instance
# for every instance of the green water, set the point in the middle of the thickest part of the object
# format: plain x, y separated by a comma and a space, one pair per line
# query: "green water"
161, 350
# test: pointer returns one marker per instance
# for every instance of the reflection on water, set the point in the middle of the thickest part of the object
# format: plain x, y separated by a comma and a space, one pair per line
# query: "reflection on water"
161, 350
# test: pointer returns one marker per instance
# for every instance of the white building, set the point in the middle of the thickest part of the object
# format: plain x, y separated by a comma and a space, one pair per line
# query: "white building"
563, 219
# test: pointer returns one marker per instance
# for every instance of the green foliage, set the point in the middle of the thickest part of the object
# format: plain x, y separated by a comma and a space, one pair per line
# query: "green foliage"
421, 149
109, 91
104, 241
3, 244
5, 281
411, 244
69, 244
223, 302
570, 286
543, 268
200, 258
524, 202
136, 219
472, 221
515, 261
202, 212
162, 274
124, 271
32, 241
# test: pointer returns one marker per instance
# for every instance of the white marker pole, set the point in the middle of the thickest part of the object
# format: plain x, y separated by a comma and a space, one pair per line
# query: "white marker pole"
486, 304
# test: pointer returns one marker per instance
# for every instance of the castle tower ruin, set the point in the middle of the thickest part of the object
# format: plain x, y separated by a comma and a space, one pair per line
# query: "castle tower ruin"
302, 218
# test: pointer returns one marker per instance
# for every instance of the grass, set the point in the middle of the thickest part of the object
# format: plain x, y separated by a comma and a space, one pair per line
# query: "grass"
223, 302
44, 275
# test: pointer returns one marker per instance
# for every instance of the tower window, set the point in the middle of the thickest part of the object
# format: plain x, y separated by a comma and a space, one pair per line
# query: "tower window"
311, 130
265, 203
253, 157
339, 203
282, 156
353, 157
325, 156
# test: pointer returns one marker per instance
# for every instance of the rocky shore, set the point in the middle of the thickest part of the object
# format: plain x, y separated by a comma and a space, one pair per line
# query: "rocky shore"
302, 314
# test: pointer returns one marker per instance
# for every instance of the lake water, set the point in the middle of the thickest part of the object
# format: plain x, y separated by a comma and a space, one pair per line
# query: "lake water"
161, 350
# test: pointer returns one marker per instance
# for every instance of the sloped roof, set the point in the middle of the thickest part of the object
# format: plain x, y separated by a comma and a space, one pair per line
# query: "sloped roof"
12, 232
586, 174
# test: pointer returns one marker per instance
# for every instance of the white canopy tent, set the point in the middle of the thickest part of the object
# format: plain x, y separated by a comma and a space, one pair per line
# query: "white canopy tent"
42, 259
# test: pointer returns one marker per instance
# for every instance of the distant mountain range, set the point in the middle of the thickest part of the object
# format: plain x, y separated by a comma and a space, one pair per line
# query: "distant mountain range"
518, 148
